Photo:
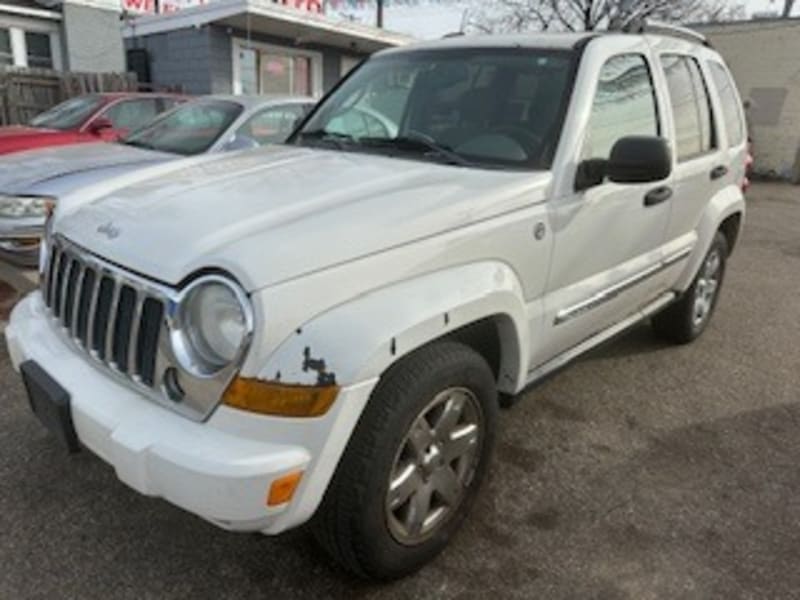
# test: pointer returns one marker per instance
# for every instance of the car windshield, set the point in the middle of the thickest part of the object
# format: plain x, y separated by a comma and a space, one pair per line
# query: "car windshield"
68, 115
189, 129
488, 107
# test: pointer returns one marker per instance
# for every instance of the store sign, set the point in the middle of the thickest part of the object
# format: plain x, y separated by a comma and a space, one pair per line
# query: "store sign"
152, 7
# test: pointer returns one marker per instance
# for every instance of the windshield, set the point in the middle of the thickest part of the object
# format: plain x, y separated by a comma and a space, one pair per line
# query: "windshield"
189, 129
68, 115
482, 107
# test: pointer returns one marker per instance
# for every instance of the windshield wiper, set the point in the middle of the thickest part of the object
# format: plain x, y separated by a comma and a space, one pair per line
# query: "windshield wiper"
339, 140
419, 143
136, 144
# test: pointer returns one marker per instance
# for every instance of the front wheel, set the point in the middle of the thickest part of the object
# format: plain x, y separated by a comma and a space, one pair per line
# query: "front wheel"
684, 321
413, 465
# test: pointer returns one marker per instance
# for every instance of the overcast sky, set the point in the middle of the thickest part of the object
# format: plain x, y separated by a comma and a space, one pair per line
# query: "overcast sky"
434, 20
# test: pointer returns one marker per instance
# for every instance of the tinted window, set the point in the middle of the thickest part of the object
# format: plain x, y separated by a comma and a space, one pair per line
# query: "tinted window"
624, 105
68, 115
132, 114
691, 108
731, 109
274, 124
6, 54
39, 52
189, 129
488, 107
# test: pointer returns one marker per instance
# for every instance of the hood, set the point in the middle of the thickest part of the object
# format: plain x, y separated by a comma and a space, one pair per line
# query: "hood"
19, 138
22, 131
20, 173
280, 212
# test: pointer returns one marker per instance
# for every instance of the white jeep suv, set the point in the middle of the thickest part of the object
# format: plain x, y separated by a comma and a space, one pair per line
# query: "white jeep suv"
322, 331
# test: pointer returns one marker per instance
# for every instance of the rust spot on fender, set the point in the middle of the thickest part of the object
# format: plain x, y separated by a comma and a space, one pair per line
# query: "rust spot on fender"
318, 364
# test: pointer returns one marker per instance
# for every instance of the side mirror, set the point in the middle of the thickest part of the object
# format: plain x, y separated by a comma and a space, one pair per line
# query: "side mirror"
640, 159
634, 159
100, 124
241, 142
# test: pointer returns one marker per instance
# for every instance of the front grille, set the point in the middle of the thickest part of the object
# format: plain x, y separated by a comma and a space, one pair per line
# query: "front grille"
111, 316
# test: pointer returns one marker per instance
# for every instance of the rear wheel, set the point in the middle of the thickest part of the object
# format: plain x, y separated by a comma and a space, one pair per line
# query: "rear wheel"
684, 321
413, 465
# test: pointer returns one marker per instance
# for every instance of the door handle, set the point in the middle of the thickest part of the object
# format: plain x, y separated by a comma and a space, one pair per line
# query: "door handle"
718, 172
658, 195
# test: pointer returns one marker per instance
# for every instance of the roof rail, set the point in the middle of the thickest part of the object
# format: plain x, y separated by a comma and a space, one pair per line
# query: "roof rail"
641, 25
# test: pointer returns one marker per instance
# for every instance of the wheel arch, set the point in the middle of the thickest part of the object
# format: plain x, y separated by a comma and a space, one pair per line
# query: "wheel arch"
725, 212
479, 304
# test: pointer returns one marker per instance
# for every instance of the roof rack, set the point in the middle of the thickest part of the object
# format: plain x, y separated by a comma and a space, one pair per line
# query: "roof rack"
641, 25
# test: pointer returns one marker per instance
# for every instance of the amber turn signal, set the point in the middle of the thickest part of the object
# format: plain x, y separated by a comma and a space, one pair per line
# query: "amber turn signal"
282, 489
280, 399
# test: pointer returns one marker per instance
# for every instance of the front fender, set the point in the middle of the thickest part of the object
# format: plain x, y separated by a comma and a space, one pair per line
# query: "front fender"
358, 340
727, 202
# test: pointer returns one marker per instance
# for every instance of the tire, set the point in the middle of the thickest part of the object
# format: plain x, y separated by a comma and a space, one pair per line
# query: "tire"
682, 321
356, 523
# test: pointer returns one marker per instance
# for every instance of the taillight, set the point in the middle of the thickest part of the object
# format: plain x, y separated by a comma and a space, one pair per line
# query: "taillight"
748, 167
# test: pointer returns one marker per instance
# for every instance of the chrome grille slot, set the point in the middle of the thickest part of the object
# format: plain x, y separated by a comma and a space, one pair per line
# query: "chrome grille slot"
114, 319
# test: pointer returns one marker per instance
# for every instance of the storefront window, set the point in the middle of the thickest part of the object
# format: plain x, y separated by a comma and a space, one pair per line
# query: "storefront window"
274, 72
248, 65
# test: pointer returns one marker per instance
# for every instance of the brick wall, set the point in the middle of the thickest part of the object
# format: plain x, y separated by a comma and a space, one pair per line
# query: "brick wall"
764, 57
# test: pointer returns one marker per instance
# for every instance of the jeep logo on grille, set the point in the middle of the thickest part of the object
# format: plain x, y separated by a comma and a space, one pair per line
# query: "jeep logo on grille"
108, 230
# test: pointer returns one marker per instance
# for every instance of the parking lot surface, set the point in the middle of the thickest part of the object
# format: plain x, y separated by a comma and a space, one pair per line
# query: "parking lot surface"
642, 471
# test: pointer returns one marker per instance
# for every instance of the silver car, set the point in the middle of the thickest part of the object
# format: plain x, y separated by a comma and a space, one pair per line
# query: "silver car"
31, 181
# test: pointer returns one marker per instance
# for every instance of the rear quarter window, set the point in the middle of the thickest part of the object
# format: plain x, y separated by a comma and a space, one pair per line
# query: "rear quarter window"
731, 108
691, 106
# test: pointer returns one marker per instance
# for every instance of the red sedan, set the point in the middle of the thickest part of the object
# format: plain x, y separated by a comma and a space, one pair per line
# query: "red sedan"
89, 118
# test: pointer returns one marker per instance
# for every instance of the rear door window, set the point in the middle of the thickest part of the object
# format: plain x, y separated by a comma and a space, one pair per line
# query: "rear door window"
133, 114
624, 105
691, 106
731, 108
273, 125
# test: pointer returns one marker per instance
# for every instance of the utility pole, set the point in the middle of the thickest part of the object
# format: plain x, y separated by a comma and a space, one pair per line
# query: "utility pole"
787, 8
380, 14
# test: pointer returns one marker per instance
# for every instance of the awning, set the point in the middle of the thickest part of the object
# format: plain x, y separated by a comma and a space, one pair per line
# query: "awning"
267, 17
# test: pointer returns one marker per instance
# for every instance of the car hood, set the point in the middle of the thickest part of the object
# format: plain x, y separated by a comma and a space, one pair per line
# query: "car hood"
22, 171
279, 212
24, 131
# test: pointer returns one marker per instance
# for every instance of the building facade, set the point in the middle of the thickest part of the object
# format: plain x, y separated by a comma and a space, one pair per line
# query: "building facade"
764, 56
249, 47
74, 35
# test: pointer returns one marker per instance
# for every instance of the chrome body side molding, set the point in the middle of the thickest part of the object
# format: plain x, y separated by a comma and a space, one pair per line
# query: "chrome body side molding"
603, 296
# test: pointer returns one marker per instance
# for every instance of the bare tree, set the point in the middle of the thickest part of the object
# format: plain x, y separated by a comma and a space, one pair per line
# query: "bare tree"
788, 5
588, 15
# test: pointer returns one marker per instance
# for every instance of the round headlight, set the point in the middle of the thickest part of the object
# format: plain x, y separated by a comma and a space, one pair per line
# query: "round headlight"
216, 322
22, 207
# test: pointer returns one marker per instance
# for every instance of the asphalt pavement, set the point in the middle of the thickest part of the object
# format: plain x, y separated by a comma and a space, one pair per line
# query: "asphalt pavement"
642, 471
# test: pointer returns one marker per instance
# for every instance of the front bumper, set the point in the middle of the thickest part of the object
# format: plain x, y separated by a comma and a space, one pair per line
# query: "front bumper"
220, 470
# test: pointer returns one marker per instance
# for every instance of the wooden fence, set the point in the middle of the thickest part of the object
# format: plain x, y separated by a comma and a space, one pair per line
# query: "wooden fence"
24, 93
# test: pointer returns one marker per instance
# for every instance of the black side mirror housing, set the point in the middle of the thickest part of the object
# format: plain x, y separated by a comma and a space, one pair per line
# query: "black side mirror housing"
634, 159
640, 159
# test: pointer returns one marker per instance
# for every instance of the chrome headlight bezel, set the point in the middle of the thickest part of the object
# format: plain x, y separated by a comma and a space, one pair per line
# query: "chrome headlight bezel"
24, 207
47, 236
184, 333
